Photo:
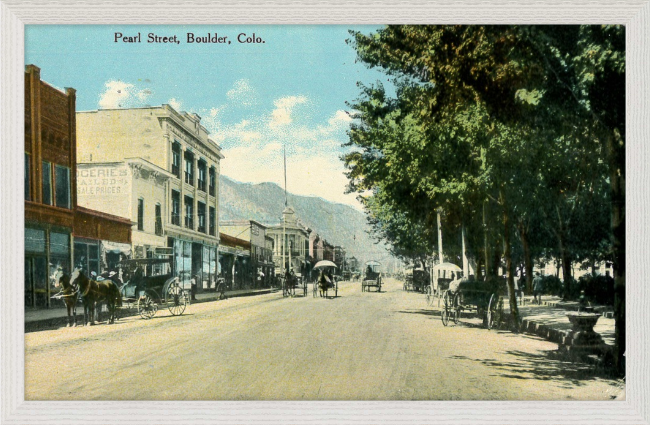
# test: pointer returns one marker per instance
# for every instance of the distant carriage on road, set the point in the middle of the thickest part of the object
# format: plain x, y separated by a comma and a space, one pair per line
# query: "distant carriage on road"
324, 284
372, 277
484, 297
148, 292
293, 283
417, 280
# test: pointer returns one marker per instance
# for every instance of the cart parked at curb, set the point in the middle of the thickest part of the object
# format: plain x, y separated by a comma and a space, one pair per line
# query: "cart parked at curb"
472, 295
160, 288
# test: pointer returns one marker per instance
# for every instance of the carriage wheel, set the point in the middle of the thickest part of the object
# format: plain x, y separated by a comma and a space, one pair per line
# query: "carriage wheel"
429, 295
457, 308
445, 310
146, 307
494, 312
176, 299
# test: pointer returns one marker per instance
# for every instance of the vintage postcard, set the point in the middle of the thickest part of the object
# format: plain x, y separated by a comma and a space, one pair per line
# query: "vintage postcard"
324, 212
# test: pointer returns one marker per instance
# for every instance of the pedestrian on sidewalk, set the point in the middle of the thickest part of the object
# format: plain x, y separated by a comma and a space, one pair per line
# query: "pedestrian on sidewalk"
193, 281
537, 288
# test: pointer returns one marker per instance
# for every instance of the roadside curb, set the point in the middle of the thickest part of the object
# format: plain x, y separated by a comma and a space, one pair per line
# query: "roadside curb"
62, 321
563, 340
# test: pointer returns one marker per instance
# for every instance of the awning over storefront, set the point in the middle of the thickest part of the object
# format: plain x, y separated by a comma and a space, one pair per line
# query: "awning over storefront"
116, 248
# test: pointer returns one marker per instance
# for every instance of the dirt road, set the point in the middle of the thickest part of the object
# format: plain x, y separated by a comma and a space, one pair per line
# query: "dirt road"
358, 346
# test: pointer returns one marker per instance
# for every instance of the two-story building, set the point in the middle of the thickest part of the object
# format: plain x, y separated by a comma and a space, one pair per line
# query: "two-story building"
292, 252
261, 266
174, 172
58, 233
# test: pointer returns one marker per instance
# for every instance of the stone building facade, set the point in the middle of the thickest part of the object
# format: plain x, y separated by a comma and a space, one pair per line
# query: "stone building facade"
175, 155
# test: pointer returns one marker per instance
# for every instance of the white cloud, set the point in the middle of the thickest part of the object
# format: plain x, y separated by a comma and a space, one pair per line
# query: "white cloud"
120, 94
340, 119
254, 145
281, 115
242, 94
175, 103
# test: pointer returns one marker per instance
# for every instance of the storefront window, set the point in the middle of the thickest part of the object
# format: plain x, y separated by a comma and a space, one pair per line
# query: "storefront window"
59, 243
86, 256
34, 240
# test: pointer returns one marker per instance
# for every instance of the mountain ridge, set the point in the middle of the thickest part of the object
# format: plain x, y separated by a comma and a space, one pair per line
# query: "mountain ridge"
339, 224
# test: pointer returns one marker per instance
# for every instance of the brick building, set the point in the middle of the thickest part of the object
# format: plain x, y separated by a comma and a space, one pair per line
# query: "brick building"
53, 223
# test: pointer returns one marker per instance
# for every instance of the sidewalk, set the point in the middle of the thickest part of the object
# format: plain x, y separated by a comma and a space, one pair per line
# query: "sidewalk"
549, 321
56, 317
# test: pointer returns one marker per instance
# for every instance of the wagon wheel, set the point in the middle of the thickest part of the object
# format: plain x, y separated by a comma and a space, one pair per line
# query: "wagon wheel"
176, 299
494, 311
445, 310
146, 307
429, 295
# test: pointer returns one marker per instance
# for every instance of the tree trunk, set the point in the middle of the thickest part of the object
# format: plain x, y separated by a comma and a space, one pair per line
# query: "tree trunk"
512, 296
616, 149
486, 243
528, 262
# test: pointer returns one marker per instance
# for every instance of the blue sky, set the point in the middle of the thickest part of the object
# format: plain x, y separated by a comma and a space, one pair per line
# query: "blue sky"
255, 98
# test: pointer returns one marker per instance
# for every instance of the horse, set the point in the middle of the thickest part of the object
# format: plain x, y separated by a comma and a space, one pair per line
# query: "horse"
68, 294
92, 292
324, 284
290, 283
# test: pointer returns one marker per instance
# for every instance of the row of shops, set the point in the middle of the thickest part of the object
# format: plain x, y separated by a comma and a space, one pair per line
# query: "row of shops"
96, 195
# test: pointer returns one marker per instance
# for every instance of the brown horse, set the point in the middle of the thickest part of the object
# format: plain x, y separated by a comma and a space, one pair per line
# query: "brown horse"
93, 292
324, 283
68, 294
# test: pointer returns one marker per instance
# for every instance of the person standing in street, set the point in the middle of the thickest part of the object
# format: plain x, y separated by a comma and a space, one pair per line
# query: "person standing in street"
537, 289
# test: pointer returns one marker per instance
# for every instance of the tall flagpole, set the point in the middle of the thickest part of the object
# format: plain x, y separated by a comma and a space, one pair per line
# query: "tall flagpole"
284, 216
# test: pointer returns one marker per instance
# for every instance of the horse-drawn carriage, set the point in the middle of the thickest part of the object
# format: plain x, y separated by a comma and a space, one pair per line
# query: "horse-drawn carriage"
416, 280
442, 275
372, 277
147, 292
326, 280
292, 282
484, 297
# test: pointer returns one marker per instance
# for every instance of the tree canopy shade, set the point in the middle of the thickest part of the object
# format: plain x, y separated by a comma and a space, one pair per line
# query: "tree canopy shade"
508, 129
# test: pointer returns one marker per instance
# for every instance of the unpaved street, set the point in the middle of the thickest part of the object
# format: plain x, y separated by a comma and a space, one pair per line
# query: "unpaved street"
359, 346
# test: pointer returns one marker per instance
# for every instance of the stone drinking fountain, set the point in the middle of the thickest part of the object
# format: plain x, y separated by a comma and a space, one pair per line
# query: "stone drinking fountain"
582, 339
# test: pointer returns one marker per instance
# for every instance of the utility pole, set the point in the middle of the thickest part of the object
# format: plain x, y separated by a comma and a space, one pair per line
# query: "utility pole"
440, 256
